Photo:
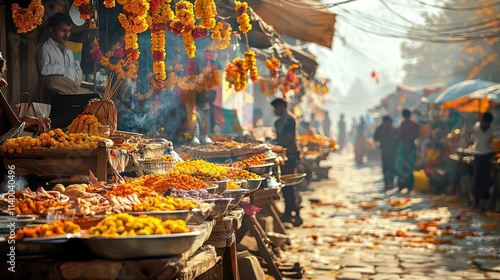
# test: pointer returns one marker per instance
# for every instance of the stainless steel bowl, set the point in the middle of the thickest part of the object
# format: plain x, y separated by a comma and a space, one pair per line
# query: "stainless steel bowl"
199, 215
292, 179
213, 189
236, 194
141, 246
222, 185
264, 169
165, 215
37, 247
253, 184
221, 205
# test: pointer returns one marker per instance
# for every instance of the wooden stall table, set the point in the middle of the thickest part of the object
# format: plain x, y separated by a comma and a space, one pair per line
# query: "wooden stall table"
264, 198
224, 240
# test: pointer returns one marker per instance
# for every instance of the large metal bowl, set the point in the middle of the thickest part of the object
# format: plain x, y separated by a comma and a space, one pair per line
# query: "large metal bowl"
264, 169
252, 184
165, 215
141, 246
220, 208
236, 194
292, 179
199, 215
222, 185
213, 188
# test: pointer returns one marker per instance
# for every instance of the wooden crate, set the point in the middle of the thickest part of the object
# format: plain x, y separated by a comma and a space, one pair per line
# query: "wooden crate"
60, 163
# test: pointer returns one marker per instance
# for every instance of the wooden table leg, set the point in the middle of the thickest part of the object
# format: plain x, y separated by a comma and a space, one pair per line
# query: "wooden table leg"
278, 224
234, 261
264, 250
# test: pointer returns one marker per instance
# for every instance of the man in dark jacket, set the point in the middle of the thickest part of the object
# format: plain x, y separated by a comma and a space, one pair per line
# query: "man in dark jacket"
385, 136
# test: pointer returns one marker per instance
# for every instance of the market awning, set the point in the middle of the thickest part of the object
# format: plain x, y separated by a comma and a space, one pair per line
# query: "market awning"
306, 20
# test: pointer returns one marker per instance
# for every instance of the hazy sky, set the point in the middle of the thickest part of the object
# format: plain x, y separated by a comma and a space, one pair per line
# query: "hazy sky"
353, 90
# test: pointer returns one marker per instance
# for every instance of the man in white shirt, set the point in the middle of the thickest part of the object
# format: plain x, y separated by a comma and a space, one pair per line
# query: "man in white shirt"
59, 72
482, 133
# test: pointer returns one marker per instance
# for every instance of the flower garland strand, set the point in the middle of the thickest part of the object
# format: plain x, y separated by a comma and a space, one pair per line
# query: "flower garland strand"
273, 64
236, 74
250, 64
206, 10
84, 7
115, 61
133, 20
28, 19
109, 3
221, 35
159, 13
243, 18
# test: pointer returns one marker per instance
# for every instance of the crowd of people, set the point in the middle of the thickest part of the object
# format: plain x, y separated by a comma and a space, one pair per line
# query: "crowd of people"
414, 146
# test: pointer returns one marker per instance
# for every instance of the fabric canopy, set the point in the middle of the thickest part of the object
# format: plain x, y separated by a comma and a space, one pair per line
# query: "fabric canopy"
461, 89
477, 101
306, 20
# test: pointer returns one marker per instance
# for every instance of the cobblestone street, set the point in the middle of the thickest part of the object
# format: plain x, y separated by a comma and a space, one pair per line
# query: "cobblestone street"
354, 230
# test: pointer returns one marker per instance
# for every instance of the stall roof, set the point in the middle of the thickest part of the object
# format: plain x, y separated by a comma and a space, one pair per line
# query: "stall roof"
306, 20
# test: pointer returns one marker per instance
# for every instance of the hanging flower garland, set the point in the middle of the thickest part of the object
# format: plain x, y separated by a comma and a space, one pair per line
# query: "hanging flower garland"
109, 3
206, 10
221, 35
243, 18
159, 13
250, 64
27, 19
84, 7
133, 20
273, 65
236, 74
115, 61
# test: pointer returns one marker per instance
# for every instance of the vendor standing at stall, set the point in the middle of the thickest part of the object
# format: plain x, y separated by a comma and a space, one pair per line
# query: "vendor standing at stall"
286, 134
407, 153
59, 72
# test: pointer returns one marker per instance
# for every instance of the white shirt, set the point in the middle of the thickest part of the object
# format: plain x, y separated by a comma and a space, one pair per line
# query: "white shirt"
482, 139
52, 61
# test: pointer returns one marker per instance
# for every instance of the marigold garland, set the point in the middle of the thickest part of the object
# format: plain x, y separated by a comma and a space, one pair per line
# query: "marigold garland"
221, 35
243, 18
206, 10
250, 64
116, 61
133, 20
84, 7
236, 74
273, 65
160, 12
27, 19
109, 3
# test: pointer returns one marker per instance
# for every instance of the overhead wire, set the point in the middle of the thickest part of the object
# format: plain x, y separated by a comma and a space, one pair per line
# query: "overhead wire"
461, 7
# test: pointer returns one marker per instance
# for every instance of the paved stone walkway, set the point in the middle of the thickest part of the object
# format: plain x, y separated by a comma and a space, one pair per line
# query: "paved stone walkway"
354, 230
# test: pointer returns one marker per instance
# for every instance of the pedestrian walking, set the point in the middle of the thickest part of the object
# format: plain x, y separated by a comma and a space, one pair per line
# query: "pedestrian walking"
483, 134
360, 142
407, 153
385, 136
342, 135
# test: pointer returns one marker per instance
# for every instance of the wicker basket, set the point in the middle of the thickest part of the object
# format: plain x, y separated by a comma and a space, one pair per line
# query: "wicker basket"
155, 166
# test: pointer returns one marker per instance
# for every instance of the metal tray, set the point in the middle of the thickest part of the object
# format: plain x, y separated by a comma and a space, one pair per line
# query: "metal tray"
165, 215
38, 247
141, 246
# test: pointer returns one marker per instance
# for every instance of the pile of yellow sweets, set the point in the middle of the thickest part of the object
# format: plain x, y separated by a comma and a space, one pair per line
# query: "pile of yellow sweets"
201, 169
127, 225
162, 203
53, 139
